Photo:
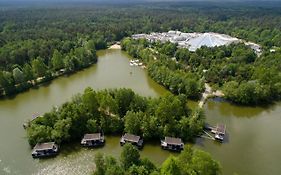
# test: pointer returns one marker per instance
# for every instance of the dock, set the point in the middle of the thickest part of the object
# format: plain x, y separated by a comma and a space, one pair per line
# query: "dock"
218, 131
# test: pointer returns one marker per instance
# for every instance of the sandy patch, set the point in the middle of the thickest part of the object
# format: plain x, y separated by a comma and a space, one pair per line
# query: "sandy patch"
115, 46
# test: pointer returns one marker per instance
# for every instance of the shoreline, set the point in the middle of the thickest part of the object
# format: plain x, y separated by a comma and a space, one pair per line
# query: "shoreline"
40, 80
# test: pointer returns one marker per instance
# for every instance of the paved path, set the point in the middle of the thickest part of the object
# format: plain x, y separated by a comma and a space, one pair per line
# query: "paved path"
208, 92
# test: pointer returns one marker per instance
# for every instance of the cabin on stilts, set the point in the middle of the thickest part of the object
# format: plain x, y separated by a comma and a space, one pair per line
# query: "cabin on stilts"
172, 143
93, 140
41, 150
133, 139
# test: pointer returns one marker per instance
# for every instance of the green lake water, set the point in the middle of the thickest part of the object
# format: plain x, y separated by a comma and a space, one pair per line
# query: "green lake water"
253, 143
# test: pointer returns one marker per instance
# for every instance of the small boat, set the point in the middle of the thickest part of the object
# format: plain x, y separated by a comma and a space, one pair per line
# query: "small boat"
93, 140
219, 137
131, 64
48, 149
133, 139
172, 143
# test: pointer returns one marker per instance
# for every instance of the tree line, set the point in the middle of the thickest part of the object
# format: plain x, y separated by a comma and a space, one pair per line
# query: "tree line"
189, 161
114, 112
28, 63
64, 22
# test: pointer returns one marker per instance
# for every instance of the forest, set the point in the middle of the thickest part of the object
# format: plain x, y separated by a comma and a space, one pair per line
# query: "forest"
243, 77
36, 42
189, 161
39, 43
28, 63
115, 112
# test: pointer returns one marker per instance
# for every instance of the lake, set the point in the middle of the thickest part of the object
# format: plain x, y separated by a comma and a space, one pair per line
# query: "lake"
251, 147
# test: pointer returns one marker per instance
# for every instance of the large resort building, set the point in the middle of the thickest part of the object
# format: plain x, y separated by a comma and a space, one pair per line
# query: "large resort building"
194, 41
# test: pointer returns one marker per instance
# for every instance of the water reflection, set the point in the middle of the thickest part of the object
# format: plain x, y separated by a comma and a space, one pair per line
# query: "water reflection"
228, 109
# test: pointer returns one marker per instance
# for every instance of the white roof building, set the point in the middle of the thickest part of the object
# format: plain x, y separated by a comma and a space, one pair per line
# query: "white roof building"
194, 41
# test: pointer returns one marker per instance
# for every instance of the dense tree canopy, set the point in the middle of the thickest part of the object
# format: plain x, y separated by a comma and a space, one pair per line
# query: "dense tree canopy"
117, 111
189, 161
33, 65
129, 156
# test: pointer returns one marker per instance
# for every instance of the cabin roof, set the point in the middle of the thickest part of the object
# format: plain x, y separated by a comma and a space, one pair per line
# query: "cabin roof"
44, 146
94, 136
173, 140
221, 128
131, 137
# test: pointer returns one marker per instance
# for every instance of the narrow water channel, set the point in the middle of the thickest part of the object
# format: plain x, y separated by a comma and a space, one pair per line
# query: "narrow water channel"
253, 144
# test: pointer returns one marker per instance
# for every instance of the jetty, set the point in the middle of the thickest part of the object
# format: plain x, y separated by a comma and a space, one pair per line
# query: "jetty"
214, 132
219, 132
